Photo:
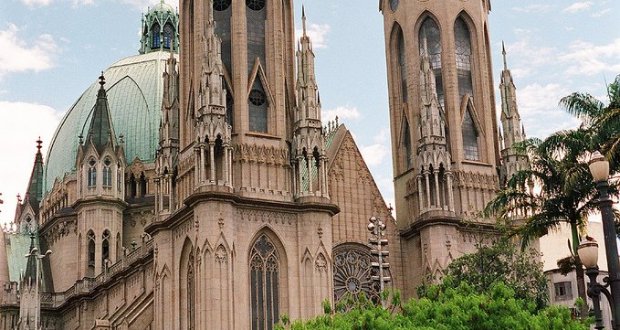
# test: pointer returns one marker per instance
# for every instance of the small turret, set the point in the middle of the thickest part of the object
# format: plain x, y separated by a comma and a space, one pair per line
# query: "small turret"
434, 181
309, 154
160, 29
512, 160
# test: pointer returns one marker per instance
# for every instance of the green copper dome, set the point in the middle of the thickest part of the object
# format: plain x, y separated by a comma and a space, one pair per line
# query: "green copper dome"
134, 88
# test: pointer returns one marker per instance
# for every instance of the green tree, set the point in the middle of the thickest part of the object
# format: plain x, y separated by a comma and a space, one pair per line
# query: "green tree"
564, 192
502, 262
601, 121
451, 307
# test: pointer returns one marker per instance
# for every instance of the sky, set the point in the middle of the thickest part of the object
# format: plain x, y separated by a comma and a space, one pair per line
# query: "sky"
52, 50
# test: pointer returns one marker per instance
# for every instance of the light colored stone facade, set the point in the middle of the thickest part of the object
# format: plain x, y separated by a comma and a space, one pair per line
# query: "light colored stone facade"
250, 208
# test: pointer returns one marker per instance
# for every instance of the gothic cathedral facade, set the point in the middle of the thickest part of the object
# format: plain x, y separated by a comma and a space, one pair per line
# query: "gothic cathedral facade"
233, 204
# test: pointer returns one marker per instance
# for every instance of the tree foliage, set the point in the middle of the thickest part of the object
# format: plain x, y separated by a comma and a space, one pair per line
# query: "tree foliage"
450, 307
502, 262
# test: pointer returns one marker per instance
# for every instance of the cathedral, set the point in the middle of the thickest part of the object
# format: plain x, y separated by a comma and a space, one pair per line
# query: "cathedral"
195, 186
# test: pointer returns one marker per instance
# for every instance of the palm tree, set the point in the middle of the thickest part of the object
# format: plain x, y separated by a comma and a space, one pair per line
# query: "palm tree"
557, 188
602, 121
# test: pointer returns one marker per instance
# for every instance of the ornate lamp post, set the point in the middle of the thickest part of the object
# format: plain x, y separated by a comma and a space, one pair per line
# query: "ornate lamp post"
588, 254
599, 167
377, 228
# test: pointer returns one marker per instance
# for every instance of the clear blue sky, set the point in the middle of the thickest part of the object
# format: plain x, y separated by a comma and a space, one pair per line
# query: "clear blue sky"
51, 50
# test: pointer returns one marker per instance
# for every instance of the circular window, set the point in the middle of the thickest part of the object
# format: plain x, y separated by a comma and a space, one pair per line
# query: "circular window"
393, 5
220, 5
255, 4
257, 97
91, 162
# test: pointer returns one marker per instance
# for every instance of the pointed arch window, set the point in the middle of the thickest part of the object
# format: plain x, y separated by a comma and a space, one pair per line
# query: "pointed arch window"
155, 36
264, 284
92, 173
191, 312
430, 43
90, 262
258, 105
107, 173
462, 46
105, 249
470, 138
407, 145
168, 36
402, 65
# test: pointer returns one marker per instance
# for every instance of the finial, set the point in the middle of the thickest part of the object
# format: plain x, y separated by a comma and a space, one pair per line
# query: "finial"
504, 55
19, 198
39, 142
121, 138
303, 19
101, 79
336, 126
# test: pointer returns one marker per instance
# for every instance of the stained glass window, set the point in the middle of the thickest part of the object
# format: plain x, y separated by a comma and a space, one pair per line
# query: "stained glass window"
105, 249
92, 174
462, 44
190, 292
352, 272
258, 108
430, 43
255, 4
470, 138
402, 64
220, 5
155, 31
264, 278
90, 263
168, 36
407, 146
107, 173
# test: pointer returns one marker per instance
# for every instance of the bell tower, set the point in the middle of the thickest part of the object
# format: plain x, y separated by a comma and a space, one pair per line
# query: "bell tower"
443, 127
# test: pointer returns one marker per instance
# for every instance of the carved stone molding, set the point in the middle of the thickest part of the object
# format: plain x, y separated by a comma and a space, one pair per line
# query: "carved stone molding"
265, 216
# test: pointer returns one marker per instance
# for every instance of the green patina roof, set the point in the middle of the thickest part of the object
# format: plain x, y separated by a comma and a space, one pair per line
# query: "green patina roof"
134, 88
100, 131
18, 247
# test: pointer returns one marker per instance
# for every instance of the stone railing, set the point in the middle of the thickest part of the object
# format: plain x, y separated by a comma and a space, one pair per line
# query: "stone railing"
85, 285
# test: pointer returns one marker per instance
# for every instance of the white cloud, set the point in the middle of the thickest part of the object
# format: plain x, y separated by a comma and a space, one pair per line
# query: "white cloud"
538, 105
584, 58
342, 112
578, 6
534, 8
317, 34
18, 55
36, 3
143, 4
21, 124
601, 13
378, 152
77, 3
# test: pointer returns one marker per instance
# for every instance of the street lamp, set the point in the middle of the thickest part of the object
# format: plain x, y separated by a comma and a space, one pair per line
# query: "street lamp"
588, 255
377, 228
34, 252
599, 167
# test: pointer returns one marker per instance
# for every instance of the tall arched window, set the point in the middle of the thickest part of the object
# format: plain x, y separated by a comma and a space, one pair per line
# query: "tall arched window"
430, 43
155, 35
402, 65
107, 173
168, 36
264, 284
105, 249
191, 312
407, 145
462, 46
258, 107
90, 262
92, 173
470, 138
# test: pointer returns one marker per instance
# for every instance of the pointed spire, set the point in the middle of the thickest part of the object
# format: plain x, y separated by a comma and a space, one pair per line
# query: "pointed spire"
303, 20
100, 132
35, 184
504, 55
